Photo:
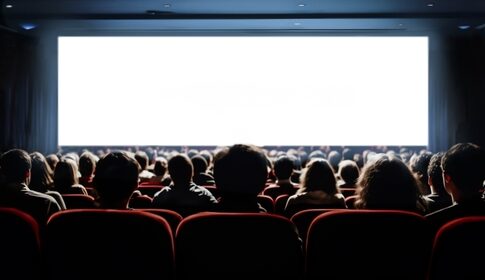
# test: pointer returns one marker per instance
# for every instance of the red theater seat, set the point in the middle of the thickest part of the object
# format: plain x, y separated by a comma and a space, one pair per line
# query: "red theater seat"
238, 246
367, 244
459, 250
79, 201
109, 244
19, 245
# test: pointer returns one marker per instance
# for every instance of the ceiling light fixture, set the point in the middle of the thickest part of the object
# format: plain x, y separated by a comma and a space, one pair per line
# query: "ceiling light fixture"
297, 23
8, 6
167, 5
464, 27
430, 4
301, 5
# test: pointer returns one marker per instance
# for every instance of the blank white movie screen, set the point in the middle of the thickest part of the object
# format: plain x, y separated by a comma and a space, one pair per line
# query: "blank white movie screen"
262, 90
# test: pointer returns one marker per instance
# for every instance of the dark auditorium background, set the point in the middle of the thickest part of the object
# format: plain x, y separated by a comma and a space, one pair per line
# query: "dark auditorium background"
28, 31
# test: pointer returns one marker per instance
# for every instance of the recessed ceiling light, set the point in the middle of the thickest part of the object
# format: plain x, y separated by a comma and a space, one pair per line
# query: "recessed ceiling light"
8, 6
301, 5
430, 4
167, 5
297, 23
28, 26
464, 27
401, 25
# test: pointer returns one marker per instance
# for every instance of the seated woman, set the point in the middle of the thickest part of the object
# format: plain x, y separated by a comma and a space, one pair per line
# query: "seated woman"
66, 180
387, 183
41, 178
318, 189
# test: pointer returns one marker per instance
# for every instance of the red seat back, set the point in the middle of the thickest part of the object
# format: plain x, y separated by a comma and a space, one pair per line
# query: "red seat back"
458, 250
109, 244
19, 245
379, 244
79, 201
237, 246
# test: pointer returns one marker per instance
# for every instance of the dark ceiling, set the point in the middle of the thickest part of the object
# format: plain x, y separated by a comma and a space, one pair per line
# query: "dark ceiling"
312, 15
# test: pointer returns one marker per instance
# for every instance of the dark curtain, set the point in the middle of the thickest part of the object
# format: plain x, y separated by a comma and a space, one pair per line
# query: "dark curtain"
27, 109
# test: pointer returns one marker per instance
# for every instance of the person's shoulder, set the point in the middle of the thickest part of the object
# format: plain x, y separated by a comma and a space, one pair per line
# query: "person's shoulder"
39, 196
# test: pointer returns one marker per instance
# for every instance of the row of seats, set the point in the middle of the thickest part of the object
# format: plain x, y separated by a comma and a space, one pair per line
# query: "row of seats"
340, 244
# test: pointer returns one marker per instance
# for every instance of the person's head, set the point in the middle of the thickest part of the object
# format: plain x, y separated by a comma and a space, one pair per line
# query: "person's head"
41, 178
419, 166
240, 170
435, 174
87, 164
160, 167
199, 163
52, 160
283, 167
334, 159
318, 176
348, 171
387, 183
207, 156
142, 159
116, 177
180, 169
65, 174
15, 166
464, 170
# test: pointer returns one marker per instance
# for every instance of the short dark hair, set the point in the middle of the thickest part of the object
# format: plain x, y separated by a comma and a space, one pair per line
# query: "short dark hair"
116, 176
465, 164
435, 172
349, 171
283, 167
180, 169
142, 159
241, 169
199, 163
14, 164
420, 165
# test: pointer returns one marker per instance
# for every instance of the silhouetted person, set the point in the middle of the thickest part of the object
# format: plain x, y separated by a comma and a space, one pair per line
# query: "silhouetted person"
283, 169
87, 165
240, 173
183, 195
41, 178
387, 183
201, 177
463, 175
348, 172
160, 170
15, 170
318, 189
143, 160
419, 166
115, 180
66, 179
439, 198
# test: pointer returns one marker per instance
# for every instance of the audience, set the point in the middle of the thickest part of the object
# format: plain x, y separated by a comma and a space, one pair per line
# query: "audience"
419, 166
183, 195
66, 179
116, 179
387, 183
15, 170
240, 173
318, 189
463, 177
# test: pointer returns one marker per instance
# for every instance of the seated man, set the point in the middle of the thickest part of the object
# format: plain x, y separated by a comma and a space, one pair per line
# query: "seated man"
183, 195
283, 169
115, 179
463, 175
15, 169
240, 173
